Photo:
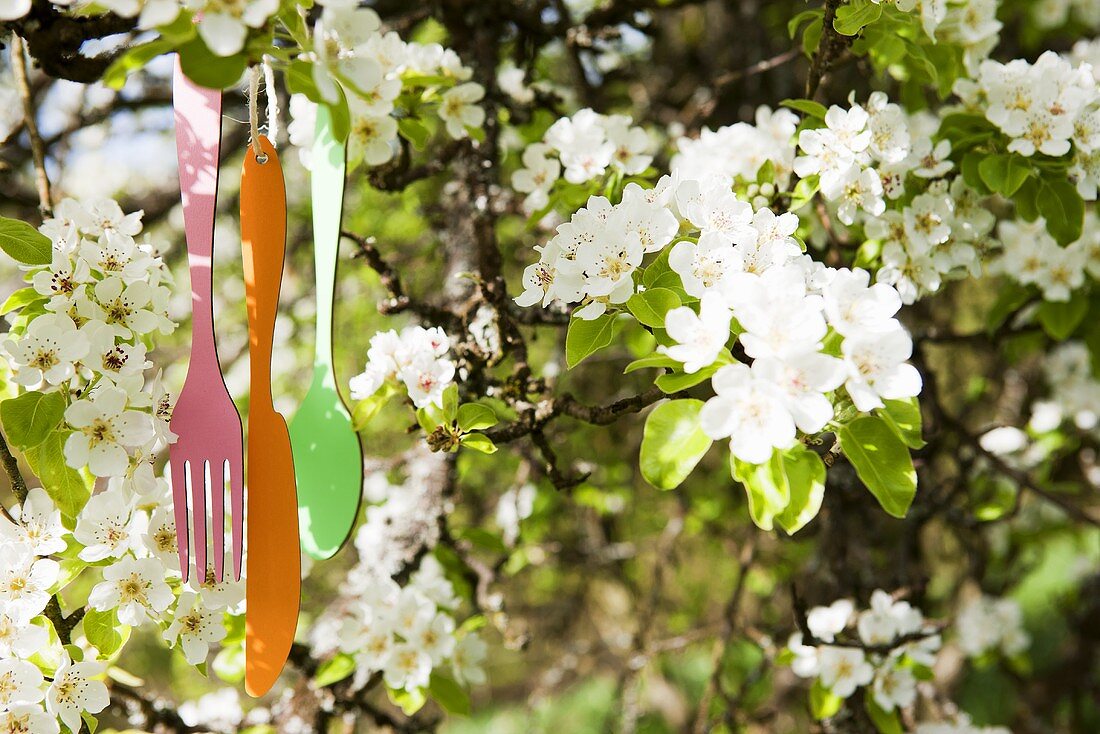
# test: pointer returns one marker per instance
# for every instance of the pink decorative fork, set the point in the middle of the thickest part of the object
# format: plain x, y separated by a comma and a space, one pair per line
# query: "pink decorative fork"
205, 419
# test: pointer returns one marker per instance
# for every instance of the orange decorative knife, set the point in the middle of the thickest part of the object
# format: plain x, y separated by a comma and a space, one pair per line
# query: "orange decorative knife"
274, 579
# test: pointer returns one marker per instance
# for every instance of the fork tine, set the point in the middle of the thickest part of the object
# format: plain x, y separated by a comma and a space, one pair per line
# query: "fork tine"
236, 508
199, 488
179, 504
217, 500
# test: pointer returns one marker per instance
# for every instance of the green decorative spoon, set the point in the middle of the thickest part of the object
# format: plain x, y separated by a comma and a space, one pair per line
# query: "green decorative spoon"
328, 459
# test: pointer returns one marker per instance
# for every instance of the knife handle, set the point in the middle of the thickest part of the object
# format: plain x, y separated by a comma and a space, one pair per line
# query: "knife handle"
263, 243
327, 181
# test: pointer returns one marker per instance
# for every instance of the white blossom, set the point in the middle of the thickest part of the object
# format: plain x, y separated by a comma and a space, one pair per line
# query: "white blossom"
135, 587
77, 688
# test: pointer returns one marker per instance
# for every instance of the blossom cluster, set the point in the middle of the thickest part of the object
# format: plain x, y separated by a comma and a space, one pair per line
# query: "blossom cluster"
745, 264
405, 631
353, 58
223, 28
943, 234
741, 149
888, 645
416, 358
787, 313
989, 624
973, 26
1042, 106
869, 156
1032, 257
103, 297
1074, 390
579, 149
28, 576
81, 339
133, 539
842, 669
1055, 13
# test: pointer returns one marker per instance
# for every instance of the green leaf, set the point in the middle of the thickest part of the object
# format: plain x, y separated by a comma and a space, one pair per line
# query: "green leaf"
1063, 208
448, 694
650, 306
1027, 200
657, 268
823, 702
811, 37
334, 670
135, 58
882, 462
807, 107
90, 721
1059, 318
805, 472
29, 418
100, 630
429, 418
853, 16
804, 191
340, 114
479, 442
904, 417
20, 299
23, 243
64, 485
653, 360
415, 131
408, 701
585, 338
766, 487
677, 381
179, 30
886, 722
1004, 173
672, 443
364, 410
1011, 297
299, 80
482, 539
205, 68
476, 417
450, 403
797, 21
971, 172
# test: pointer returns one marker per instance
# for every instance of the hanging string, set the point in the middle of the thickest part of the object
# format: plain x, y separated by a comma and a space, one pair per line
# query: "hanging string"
254, 113
272, 101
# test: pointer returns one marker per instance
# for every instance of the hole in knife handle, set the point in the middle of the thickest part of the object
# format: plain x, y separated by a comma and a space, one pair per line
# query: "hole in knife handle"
262, 158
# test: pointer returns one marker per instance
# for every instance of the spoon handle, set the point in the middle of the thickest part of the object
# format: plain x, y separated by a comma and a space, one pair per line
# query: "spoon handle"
327, 179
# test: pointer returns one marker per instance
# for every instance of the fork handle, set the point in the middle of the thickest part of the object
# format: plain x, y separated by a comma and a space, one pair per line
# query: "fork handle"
327, 179
263, 241
198, 115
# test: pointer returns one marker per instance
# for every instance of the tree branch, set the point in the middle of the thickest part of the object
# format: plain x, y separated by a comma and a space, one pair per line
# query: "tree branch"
11, 466
38, 148
829, 48
398, 301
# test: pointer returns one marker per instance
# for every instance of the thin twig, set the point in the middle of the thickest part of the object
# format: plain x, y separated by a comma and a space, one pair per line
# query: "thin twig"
38, 148
721, 644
